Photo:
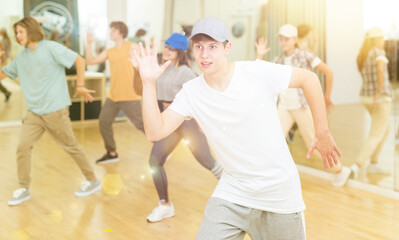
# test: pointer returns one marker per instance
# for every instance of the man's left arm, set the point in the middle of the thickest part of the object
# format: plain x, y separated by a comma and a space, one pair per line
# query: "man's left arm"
323, 141
80, 79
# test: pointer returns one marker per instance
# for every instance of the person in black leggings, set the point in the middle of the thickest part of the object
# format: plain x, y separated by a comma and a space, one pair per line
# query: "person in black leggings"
168, 85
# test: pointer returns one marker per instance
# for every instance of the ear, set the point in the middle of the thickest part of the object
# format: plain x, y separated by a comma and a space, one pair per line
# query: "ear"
227, 48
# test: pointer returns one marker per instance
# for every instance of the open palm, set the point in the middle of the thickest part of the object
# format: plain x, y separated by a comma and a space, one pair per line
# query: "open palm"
147, 62
261, 47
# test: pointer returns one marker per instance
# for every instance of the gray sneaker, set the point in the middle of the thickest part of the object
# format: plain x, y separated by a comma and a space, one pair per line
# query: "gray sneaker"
88, 187
19, 196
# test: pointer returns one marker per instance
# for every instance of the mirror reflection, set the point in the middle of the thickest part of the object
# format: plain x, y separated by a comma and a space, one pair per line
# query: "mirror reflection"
357, 65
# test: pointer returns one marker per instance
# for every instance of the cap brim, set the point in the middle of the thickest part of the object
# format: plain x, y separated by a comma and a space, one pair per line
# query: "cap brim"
219, 39
280, 34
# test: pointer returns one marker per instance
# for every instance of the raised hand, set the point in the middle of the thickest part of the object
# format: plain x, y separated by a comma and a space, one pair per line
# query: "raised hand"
132, 59
85, 93
148, 62
90, 37
327, 148
261, 47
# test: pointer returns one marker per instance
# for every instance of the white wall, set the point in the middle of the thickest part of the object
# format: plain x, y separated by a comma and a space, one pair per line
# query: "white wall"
344, 36
10, 12
148, 14
231, 12
10, 8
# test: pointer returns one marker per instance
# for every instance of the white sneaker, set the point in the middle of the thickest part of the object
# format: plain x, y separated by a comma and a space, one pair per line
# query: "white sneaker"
161, 212
359, 173
340, 179
88, 187
19, 196
375, 168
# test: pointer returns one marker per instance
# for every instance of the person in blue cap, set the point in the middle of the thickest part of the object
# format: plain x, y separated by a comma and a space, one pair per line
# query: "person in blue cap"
168, 85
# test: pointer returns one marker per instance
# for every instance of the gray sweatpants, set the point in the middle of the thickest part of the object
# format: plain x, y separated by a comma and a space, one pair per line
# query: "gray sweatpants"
225, 220
110, 109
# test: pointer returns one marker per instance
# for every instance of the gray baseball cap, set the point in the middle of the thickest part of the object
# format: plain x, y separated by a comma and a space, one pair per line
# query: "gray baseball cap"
213, 27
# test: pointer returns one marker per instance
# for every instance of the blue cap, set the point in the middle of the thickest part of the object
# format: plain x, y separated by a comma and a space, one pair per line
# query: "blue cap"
178, 41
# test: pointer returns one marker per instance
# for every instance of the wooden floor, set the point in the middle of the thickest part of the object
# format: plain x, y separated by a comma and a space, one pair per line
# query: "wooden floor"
119, 211
349, 125
15, 108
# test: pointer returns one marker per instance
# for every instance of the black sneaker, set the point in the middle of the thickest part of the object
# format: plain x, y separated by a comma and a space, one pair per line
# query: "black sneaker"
108, 158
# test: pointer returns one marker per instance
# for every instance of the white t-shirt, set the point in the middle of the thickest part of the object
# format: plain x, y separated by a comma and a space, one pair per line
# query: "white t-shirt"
290, 99
243, 128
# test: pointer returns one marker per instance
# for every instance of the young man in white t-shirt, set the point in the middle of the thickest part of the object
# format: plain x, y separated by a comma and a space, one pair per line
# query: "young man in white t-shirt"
234, 103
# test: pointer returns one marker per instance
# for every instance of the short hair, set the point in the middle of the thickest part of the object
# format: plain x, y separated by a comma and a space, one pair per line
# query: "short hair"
203, 37
33, 29
141, 32
121, 26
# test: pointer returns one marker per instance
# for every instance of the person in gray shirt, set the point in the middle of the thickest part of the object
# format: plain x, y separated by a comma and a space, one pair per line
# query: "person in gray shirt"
168, 85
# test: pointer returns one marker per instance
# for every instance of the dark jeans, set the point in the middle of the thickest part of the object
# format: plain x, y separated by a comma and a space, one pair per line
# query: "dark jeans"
110, 109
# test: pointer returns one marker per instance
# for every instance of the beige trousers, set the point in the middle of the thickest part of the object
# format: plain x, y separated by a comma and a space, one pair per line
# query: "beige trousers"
303, 117
58, 124
379, 131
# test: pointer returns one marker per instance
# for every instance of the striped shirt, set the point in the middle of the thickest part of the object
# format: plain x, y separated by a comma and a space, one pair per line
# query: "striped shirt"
303, 59
369, 74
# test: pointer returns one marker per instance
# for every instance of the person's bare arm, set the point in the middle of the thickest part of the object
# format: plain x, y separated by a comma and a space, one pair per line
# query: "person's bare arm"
314, 46
261, 48
90, 60
157, 125
2, 74
323, 68
80, 79
323, 141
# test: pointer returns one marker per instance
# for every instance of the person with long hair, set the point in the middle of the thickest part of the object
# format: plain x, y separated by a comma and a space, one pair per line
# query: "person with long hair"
292, 105
376, 96
5, 47
307, 38
40, 68
168, 85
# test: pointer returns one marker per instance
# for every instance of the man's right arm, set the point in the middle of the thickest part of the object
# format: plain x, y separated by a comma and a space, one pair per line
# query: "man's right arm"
157, 125
90, 60
2, 75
